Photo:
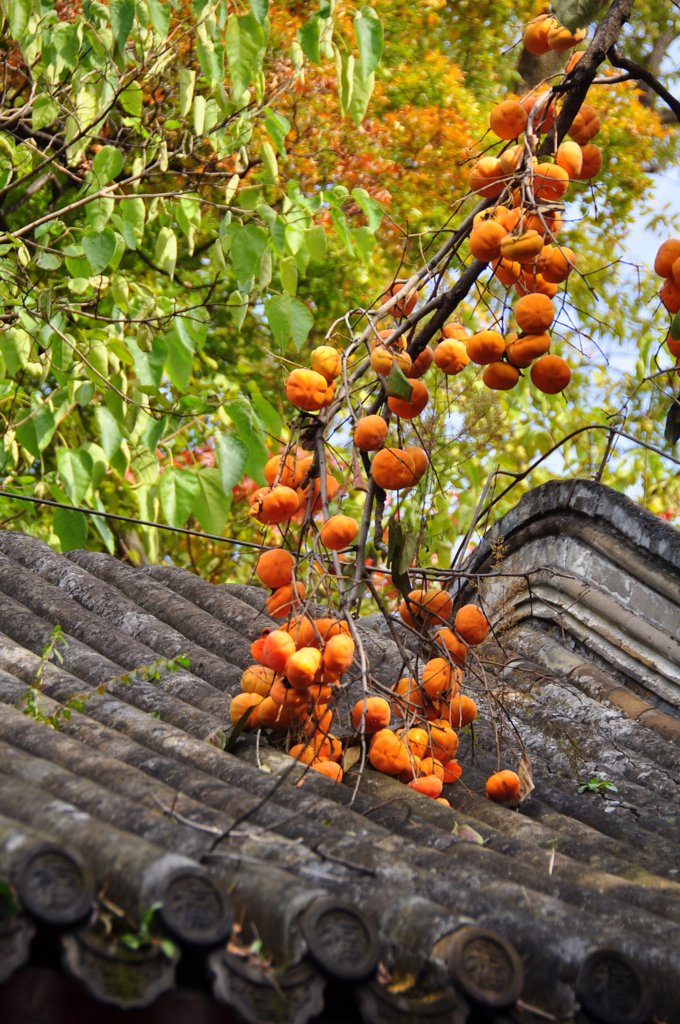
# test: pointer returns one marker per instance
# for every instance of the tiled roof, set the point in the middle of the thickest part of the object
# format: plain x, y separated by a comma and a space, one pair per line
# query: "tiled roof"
365, 911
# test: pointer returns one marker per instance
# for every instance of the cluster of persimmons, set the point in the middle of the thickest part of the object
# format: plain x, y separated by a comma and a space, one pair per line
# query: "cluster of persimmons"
411, 730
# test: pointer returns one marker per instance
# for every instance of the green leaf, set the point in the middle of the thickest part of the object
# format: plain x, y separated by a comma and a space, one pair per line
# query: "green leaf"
187, 81
398, 385
165, 252
180, 358
672, 429
269, 163
232, 456
344, 63
249, 431
15, 349
289, 275
370, 207
98, 212
178, 490
577, 13
316, 242
149, 365
248, 244
107, 164
75, 468
131, 99
122, 15
36, 434
260, 9
70, 528
212, 504
364, 242
277, 127
99, 248
301, 322
675, 327
110, 433
342, 228
362, 88
401, 548
18, 13
208, 56
44, 112
245, 44
369, 32
133, 213
160, 16
309, 36
238, 729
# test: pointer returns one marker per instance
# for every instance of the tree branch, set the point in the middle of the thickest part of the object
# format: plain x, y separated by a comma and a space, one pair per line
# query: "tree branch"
642, 75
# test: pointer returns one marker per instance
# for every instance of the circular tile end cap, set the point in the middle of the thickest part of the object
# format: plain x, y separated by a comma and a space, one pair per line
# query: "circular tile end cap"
612, 989
341, 940
485, 966
194, 909
52, 886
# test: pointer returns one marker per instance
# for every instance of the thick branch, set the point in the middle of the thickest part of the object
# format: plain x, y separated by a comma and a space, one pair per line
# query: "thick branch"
642, 75
448, 302
578, 81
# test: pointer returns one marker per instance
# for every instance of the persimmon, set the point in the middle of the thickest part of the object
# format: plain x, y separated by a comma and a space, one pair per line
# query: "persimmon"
503, 787
507, 271
275, 567
569, 157
460, 710
508, 119
522, 248
455, 331
451, 356
485, 347
310, 496
666, 256
383, 360
306, 389
388, 754
277, 649
573, 61
452, 771
471, 624
432, 765
406, 304
393, 469
592, 161
319, 720
550, 183
325, 628
485, 240
556, 263
275, 505
302, 666
585, 125
542, 111
673, 345
338, 532
387, 339
370, 433
443, 740
422, 607
271, 715
338, 654
535, 34
422, 363
440, 676
290, 470
500, 376
303, 752
409, 696
240, 704
408, 409
486, 177
373, 712
510, 160
456, 648
417, 740
427, 785
258, 679
326, 361
330, 769
546, 222
669, 294
550, 374
420, 460
526, 348
533, 283
534, 313
284, 599
282, 693
561, 39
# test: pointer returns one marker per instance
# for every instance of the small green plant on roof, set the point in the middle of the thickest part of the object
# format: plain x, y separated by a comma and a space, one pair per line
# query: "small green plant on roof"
30, 703
600, 786
9, 905
152, 673
145, 936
